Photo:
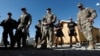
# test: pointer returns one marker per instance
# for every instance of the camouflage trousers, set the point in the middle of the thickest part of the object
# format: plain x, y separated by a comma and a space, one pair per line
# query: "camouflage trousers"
87, 30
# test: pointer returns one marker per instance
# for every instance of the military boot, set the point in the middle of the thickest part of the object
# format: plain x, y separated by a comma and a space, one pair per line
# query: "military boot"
91, 46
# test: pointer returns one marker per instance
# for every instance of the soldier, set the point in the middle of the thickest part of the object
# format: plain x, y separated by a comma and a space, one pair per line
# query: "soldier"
59, 33
51, 19
23, 27
44, 30
38, 35
8, 25
85, 18
72, 31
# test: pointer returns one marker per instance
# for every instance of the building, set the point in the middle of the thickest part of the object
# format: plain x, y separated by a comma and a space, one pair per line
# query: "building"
81, 38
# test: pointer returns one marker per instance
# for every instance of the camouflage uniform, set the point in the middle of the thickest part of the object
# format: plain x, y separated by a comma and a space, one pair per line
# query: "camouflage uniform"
47, 27
85, 23
22, 29
50, 18
44, 30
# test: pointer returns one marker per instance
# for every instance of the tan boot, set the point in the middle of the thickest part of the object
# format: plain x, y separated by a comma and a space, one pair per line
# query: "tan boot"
91, 46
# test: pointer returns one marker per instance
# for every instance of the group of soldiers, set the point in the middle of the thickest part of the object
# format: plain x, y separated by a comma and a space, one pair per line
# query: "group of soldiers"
85, 19
46, 28
21, 26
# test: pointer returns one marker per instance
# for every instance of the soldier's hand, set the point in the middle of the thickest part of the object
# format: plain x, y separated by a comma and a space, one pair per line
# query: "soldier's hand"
49, 23
44, 23
90, 19
23, 30
79, 27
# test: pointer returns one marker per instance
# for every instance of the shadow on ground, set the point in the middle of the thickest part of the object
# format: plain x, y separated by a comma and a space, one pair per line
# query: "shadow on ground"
30, 51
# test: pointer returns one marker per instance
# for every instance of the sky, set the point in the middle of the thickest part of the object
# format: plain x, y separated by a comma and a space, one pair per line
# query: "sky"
63, 9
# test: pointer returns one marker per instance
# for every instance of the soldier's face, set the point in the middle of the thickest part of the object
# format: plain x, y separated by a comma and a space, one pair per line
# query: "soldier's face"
80, 7
48, 11
9, 15
39, 21
24, 11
